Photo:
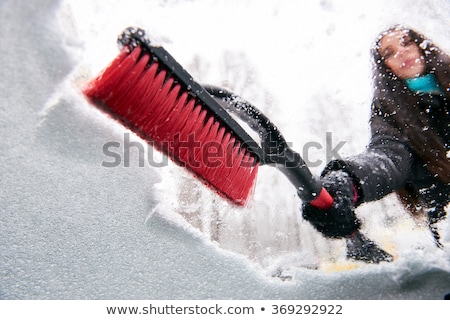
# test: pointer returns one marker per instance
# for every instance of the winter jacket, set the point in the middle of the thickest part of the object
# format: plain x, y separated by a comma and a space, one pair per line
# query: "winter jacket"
388, 164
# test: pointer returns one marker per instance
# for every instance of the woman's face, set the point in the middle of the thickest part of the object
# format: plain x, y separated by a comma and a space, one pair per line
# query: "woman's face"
402, 55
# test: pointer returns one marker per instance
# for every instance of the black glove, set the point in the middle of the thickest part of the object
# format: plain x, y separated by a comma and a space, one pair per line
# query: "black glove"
340, 220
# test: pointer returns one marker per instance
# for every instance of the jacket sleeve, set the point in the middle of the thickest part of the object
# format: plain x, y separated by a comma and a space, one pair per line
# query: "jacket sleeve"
384, 166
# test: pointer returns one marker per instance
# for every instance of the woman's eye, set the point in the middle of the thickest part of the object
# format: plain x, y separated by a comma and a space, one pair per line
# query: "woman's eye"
387, 55
406, 41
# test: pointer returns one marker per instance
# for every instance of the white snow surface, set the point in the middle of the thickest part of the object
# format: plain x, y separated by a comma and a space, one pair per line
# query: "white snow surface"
71, 228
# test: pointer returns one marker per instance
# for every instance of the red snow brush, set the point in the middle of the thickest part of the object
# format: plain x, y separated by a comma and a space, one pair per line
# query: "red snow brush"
146, 90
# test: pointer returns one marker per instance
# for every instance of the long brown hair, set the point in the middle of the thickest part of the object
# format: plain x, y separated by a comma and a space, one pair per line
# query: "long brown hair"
399, 105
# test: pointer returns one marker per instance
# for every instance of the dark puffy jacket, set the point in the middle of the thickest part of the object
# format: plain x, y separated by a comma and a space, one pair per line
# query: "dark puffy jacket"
388, 164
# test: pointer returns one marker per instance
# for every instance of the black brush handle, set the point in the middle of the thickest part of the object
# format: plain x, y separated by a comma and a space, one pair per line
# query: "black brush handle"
275, 148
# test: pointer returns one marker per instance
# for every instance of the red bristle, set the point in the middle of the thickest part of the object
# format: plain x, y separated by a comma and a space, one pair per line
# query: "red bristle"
213, 141
232, 155
172, 121
158, 109
109, 78
140, 107
217, 140
124, 97
166, 100
120, 100
198, 114
201, 154
180, 119
168, 106
237, 158
147, 101
187, 139
204, 130
114, 78
248, 163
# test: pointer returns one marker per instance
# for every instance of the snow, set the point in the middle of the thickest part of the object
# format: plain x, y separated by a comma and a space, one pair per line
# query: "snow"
71, 228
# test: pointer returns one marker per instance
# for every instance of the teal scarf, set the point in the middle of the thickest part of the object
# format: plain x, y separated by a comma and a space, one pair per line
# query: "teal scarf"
424, 84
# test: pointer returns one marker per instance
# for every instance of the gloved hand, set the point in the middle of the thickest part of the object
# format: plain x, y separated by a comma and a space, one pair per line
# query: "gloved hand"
340, 220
